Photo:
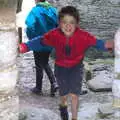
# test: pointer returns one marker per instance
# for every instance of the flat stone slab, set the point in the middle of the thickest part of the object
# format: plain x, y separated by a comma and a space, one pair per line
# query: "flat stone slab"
106, 109
101, 82
87, 111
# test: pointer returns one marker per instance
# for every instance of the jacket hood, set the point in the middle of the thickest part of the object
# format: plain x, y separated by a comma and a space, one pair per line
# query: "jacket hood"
44, 4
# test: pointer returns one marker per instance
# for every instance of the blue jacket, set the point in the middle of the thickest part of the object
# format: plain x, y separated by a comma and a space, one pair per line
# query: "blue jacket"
42, 18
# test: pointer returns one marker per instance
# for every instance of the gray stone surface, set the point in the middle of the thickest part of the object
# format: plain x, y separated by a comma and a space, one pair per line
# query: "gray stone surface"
101, 82
100, 17
9, 107
106, 109
8, 55
32, 113
102, 75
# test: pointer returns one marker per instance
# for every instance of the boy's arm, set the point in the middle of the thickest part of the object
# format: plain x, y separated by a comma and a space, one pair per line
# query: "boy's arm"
104, 45
109, 45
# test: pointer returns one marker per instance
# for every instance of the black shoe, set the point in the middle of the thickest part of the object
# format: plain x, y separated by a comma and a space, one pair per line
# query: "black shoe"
63, 112
83, 92
54, 89
36, 91
52, 94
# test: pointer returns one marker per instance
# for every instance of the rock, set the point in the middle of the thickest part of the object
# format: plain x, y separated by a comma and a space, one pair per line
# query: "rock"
88, 75
117, 65
117, 114
9, 108
116, 93
88, 111
22, 116
8, 79
8, 55
87, 71
105, 110
101, 82
8, 50
117, 43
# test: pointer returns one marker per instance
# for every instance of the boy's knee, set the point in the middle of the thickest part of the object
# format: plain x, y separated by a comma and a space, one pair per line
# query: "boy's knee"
73, 95
64, 100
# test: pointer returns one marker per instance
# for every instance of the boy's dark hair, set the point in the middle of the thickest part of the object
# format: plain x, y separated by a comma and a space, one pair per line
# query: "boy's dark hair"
69, 10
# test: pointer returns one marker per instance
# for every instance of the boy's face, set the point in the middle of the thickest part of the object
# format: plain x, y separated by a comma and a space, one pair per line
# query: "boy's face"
68, 25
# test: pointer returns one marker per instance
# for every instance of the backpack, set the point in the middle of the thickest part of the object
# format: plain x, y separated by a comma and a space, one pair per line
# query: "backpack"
46, 20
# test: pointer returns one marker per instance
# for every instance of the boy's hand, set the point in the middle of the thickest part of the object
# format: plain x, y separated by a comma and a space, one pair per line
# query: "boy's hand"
109, 45
23, 48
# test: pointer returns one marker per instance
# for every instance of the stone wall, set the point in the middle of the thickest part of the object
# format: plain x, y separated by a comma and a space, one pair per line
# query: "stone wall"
7, 3
8, 54
100, 17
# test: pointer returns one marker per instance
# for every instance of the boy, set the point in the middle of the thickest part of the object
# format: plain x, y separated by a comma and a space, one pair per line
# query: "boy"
70, 43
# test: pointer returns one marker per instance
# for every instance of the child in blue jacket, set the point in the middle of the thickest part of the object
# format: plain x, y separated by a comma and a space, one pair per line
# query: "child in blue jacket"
41, 19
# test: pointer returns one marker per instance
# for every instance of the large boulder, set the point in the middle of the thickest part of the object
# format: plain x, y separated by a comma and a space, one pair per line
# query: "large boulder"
8, 55
102, 78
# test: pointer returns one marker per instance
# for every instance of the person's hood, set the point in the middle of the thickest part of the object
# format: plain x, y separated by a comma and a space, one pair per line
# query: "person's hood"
45, 4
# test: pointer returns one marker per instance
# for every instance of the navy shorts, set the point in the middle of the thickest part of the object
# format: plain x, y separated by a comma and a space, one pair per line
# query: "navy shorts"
69, 79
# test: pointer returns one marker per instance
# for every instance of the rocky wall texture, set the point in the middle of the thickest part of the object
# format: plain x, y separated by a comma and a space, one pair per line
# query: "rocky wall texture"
7, 3
8, 50
8, 69
100, 17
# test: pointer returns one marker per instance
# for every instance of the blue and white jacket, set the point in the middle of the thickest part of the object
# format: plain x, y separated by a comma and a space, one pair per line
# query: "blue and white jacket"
42, 18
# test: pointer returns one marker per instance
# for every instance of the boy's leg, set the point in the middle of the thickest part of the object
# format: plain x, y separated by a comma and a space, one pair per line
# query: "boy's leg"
74, 106
63, 108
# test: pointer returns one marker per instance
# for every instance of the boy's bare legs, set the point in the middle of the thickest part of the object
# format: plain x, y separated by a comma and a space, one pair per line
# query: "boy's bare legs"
63, 108
74, 106
63, 100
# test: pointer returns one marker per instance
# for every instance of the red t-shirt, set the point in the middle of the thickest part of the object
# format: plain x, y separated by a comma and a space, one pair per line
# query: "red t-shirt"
79, 42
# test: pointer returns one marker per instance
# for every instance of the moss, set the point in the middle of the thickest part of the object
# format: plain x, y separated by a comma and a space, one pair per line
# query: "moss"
88, 75
22, 116
104, 116
118, 76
